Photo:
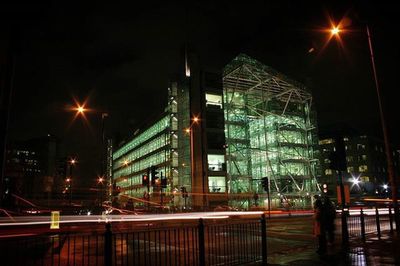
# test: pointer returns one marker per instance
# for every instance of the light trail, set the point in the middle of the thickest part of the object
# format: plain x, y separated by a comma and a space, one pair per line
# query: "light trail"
42, 220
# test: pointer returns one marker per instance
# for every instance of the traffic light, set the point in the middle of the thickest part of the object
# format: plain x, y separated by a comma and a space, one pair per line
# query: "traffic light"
163, 181
184, 192
145, 180
325, 188
264, 183
154, 177
116, 190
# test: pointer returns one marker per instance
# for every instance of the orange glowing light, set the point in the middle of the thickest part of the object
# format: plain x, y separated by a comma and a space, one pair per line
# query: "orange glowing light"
335, 30
73, 161
195, 119
187, 130
80, 109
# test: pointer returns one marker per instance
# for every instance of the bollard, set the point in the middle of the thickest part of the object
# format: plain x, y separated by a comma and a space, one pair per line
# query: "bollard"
202, 250
390, 219
378, 223
108, 245
362, 221
264, 239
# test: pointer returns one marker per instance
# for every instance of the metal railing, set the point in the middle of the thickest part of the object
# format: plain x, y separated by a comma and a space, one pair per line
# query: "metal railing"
369, 223
205, 242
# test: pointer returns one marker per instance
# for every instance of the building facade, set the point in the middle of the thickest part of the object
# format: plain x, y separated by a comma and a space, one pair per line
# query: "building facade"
366, 167
220, 135
35, 169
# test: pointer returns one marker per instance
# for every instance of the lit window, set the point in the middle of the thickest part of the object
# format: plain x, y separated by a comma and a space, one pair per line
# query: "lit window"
216, 184
349, 158
327, 161
328, 171
215, 162
360, 147
350, 169
213, 99
325, 141
362, 168
365, 178
364, 157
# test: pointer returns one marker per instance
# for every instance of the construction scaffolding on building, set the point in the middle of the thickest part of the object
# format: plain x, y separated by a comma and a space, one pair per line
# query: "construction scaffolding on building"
270, 132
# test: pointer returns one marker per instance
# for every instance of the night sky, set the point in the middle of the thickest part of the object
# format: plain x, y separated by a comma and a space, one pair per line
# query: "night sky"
119, 58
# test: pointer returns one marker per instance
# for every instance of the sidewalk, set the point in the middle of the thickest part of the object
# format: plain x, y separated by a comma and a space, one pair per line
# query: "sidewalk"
293, 245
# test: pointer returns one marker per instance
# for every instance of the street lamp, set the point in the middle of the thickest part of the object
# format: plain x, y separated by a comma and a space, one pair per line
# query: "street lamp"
80, 110
68, 180
393, 182
335, 30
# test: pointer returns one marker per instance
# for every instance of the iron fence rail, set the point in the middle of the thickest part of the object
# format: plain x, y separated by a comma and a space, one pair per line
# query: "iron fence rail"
364, 224
206, 242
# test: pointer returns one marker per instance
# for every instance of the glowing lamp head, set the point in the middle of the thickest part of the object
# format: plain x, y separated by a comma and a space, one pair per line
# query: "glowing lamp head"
385, 186
335, 30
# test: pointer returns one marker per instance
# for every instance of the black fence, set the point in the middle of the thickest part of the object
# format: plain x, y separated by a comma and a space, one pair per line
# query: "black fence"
366, 223
205, 242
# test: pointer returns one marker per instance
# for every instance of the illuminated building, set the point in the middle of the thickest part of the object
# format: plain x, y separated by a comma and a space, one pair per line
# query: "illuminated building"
221, 134
365, 162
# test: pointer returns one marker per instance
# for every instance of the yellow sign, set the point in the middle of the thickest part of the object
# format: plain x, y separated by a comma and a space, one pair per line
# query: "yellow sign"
55, 220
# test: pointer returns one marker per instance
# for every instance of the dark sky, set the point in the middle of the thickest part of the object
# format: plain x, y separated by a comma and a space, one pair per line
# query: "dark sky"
119, 57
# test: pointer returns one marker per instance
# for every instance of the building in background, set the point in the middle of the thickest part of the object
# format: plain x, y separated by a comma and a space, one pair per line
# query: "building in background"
366, 169
221, 134
35, 169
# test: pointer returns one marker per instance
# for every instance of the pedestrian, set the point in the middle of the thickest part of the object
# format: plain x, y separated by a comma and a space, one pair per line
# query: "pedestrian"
319, 226
329, 215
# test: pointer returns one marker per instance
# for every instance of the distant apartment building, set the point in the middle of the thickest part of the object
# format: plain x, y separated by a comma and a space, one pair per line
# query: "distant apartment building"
222, 132
34, 169
366, 164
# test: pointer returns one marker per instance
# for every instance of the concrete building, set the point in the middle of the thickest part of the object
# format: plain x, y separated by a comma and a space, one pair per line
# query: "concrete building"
222, 132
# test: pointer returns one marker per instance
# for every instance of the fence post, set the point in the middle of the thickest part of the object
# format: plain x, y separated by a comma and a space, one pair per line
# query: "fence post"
378, 223
345, 230
390, 219
108, 245
362, 221
202, 250
264, 239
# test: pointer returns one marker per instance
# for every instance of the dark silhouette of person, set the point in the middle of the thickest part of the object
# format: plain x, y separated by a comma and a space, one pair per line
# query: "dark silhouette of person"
319, 224
329, 214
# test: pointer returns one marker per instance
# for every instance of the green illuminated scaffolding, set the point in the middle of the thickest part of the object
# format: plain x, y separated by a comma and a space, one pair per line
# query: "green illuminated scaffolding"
270, 131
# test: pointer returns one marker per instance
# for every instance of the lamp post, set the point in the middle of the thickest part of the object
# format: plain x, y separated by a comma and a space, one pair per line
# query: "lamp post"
335, 30
68, 180
194, 121
80, 111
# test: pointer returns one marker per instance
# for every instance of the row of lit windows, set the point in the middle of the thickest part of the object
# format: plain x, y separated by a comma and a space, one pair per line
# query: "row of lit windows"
350, 169
149, 133
142, 165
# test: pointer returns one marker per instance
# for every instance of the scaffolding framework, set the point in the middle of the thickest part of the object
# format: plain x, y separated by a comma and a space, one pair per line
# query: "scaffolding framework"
270, 131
